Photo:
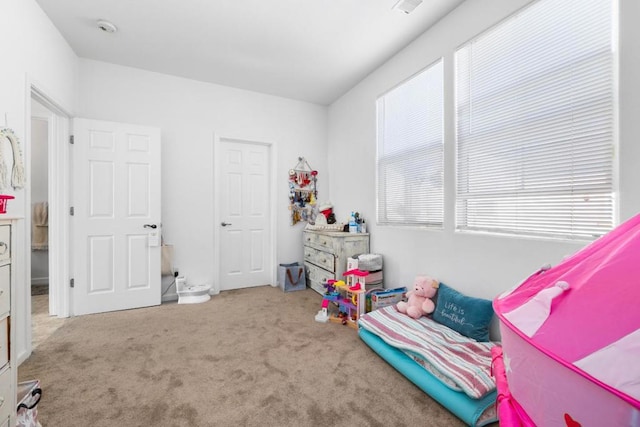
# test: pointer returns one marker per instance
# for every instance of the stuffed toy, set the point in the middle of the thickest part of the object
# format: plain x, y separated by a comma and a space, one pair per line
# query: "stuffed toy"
419, 302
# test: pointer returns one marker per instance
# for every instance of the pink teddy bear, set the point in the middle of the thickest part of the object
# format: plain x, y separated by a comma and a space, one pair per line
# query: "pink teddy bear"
419, 302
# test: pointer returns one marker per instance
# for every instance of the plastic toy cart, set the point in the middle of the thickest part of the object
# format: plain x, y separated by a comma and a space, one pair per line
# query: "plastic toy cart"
29, 394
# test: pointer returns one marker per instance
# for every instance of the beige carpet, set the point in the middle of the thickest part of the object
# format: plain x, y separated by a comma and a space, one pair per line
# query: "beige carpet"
43, 325
252, 357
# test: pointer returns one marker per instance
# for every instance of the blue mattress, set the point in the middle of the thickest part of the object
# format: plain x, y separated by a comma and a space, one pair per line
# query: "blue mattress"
467, 409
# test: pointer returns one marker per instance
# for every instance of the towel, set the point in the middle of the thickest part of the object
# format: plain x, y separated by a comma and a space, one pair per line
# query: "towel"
40, 226
17, 173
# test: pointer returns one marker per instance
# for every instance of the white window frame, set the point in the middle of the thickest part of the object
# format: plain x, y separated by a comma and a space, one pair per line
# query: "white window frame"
410, 151
505, 195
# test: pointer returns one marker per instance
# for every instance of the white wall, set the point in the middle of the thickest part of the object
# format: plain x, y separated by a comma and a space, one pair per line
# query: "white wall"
189, 112
479, 265
33, 51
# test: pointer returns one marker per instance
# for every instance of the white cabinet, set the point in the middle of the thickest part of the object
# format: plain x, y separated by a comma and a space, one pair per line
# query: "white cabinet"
8, 367
326, 253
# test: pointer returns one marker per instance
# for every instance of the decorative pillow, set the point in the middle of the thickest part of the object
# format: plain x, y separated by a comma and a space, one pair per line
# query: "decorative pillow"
467, 315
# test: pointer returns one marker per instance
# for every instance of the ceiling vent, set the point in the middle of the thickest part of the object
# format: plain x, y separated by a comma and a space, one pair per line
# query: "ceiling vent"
406, 6
107, 26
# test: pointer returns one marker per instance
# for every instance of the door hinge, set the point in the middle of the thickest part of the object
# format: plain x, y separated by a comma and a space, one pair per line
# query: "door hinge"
72, 211
72, 139
72, 283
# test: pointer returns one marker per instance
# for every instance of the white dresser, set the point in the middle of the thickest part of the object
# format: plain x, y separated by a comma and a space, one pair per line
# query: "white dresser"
8, 367
326, 253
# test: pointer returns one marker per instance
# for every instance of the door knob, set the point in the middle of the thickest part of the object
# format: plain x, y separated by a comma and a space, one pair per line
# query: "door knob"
224, 224
150, 226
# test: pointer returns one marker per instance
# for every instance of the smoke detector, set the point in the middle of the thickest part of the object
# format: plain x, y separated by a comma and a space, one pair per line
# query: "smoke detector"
107, 26
406, 6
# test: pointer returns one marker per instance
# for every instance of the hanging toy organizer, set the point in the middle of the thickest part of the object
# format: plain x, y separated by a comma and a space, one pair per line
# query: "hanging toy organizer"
302, 191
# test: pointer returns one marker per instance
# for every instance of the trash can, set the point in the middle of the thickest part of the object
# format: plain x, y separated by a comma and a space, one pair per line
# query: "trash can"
29, 394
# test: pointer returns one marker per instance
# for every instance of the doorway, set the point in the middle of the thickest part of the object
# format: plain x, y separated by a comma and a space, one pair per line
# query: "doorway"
244, 227
61, 236
44, 304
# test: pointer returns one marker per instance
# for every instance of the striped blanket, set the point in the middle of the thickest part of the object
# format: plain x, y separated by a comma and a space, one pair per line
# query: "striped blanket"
464, 361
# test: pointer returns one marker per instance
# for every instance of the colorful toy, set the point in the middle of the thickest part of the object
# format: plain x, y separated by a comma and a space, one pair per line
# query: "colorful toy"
323, 315
347, 304
419, 302
333, 286
355, 279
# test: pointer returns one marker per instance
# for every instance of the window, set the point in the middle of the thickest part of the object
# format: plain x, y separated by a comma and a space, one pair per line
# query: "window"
410, 151
535, 123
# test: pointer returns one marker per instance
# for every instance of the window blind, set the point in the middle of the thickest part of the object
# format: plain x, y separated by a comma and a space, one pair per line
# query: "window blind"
410, 151
535, 123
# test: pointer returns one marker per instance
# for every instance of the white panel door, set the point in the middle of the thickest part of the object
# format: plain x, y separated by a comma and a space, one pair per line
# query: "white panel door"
116, 223
245, 236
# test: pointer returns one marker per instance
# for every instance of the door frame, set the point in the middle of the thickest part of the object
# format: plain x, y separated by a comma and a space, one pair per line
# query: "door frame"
59, 190
59, 165
272, 150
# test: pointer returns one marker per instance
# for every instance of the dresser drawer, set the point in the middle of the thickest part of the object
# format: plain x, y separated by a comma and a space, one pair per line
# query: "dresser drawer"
308, 238
318, 241
317, 274
5, 242
5, 289
319, 258
6, 394
317, 277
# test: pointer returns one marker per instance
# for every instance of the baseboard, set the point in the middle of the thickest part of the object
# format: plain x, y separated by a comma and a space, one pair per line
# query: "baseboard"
39, 281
